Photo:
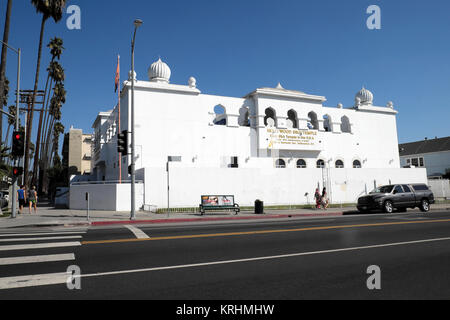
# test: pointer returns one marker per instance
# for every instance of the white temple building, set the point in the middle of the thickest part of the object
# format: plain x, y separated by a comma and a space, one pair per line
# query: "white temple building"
274, 144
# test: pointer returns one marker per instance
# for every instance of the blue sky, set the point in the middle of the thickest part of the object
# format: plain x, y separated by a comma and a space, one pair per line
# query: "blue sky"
232, 47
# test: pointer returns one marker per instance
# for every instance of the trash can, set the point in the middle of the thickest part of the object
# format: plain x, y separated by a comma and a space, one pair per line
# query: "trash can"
259, 207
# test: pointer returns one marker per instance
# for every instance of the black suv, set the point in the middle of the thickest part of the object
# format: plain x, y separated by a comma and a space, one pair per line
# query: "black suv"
398, 196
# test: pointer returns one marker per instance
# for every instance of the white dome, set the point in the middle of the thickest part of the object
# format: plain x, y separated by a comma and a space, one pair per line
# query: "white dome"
365, 96
159, 72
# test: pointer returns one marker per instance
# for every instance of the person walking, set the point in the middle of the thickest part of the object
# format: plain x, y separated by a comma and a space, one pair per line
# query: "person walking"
325, 201
21, 195
32, 199
318, 198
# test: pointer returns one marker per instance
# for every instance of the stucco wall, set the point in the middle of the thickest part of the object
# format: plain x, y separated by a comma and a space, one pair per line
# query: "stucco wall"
273, 186
106, 197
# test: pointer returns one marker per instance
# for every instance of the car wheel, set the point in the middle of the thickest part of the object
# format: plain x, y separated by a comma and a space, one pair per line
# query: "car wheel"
388, 207
424, 206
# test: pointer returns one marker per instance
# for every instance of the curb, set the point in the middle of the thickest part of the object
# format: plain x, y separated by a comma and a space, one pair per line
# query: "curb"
181, 220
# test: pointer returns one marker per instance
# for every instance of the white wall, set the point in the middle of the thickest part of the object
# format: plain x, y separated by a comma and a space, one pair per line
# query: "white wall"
106, 197
273, 186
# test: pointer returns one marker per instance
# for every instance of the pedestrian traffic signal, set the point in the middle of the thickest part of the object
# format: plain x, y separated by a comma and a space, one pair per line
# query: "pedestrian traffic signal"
17, 171
18, 145
122, 143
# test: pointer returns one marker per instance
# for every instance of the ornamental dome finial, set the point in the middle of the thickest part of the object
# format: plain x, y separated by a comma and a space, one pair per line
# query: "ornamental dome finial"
159, 72
365, 97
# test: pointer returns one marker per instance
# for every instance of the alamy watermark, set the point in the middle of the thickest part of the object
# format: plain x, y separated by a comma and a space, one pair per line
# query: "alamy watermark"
374, 281
374, 20
73, 22
73, 278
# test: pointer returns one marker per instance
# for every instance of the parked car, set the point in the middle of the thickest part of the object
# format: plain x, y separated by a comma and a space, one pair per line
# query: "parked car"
4, 199
399, 196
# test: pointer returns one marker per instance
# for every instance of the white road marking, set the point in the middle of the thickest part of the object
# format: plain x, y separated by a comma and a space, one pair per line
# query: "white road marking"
137, 232
39, 234
33, 280
262, 258
40, 246
39, 239
37, 259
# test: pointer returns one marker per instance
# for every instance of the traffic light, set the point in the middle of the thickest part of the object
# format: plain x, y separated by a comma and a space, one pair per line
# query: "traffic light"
18, 145
17, 171
122, 143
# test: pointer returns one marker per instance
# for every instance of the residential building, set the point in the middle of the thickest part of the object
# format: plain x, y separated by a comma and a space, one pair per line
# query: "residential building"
431, 154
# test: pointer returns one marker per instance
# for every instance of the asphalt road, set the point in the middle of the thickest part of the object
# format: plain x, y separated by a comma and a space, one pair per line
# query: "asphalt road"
272, 260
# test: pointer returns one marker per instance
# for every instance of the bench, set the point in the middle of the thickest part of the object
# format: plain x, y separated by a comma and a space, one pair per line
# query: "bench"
218, 203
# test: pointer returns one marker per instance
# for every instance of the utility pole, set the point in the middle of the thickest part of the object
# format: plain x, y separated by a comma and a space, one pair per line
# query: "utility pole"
17, 127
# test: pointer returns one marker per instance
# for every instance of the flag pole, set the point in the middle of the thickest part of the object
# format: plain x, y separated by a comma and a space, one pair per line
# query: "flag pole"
120, 154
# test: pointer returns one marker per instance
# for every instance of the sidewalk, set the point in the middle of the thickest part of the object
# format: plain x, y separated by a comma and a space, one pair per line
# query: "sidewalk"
48, 216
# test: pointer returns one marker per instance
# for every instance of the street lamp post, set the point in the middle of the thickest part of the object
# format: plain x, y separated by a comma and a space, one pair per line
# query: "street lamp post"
137, 24
17, 125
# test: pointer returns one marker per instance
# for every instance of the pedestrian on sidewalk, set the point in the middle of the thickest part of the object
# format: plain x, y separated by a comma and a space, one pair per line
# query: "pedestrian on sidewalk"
32, 199
318, 198
325, 201
21, 195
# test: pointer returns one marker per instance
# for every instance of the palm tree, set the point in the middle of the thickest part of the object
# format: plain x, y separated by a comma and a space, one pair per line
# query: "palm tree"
3, 64
56, 102
49, 9
56, 74
57, 131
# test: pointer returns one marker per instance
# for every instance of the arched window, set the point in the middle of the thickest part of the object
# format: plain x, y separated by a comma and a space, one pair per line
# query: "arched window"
345, 125
327, 123
339, 164
313, 122
221, 116
292, 119
280, 163
270, 120
357, 164
301, 164
244, 117
320, 164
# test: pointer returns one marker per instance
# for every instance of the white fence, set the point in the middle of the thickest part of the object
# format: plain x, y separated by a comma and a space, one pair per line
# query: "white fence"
440, 188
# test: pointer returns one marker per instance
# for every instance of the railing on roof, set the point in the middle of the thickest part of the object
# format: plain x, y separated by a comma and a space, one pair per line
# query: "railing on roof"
81, 183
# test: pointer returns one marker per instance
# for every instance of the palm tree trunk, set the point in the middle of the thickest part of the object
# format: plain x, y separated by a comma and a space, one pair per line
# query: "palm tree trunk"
37, 161
46, 116
3, 64
30, 122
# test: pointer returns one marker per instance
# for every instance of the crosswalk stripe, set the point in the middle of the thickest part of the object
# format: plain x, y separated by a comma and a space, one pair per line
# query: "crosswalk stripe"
39, 246
37, 259
33, 280
39, 239
137, 232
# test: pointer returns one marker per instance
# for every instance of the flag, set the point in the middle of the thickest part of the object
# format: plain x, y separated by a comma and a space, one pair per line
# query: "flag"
117, 80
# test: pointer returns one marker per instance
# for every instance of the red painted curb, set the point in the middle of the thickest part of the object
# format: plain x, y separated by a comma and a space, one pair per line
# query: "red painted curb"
166, 221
